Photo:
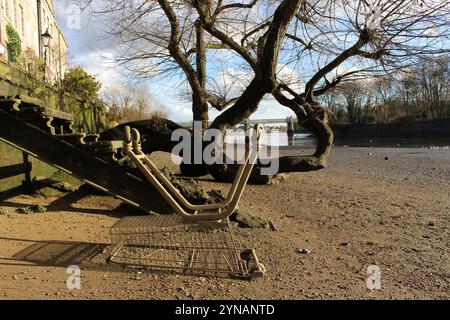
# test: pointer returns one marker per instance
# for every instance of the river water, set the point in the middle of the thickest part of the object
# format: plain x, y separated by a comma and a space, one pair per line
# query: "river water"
280, 139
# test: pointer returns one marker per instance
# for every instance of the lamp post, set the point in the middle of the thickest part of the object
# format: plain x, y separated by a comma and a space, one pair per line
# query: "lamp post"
46, 38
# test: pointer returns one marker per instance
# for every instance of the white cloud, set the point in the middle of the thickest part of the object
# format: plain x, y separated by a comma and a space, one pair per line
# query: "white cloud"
291, 77
100, 64
92, 50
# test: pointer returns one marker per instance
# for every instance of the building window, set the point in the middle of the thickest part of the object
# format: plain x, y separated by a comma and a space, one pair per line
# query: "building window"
12, 14
5, 8
21, 21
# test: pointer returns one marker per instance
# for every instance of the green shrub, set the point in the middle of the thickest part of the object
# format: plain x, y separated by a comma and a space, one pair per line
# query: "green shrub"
14, 45
79, 83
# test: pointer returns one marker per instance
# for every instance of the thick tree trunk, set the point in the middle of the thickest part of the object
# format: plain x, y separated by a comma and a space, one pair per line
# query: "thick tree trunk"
319, 159
241, 110
200, 113
199, 107
245, 106
199, 102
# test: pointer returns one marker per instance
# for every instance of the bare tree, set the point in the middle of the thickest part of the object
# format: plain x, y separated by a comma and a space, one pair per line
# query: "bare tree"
432, 86
358, 100
131, 102
325, 42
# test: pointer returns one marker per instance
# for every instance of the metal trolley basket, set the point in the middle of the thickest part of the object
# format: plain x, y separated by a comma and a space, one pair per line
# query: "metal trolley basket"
198, 239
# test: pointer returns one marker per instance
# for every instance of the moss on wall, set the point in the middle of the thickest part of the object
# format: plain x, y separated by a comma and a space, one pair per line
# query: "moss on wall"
89, 116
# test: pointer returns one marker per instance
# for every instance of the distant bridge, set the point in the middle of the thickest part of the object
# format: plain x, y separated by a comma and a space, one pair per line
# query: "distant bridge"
289, 121
286, 121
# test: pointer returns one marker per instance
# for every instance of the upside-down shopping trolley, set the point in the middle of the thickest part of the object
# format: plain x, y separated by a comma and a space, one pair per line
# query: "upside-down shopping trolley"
198, 238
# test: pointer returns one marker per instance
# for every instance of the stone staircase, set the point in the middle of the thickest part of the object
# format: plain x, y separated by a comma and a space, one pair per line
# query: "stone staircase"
48, 135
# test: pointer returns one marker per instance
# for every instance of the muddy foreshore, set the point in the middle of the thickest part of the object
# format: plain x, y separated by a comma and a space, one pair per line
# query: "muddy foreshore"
386, 207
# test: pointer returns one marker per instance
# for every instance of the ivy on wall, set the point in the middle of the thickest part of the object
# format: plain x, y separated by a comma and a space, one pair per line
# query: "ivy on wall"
14, 45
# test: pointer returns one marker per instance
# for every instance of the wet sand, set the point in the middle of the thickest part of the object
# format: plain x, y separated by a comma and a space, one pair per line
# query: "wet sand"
362, 210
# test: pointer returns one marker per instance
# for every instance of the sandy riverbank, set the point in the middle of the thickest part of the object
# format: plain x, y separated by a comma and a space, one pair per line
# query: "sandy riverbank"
362, 210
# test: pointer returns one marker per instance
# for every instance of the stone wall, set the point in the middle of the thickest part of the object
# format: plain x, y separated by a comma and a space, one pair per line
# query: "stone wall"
406, 133
14, 82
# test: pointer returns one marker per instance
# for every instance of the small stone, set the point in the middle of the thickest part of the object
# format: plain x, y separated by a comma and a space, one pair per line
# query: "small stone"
304, 251
5, 211
246, 220
15, 277
344, 244
13, 215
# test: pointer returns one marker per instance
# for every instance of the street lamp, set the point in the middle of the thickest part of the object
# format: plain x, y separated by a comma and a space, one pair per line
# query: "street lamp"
46, 37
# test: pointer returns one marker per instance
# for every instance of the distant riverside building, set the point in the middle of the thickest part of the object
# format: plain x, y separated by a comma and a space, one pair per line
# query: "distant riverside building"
31, 19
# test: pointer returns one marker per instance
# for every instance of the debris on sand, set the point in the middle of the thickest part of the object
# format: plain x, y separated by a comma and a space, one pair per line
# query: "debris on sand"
242, 217
259, 179
4, 211
9, 212
189, 188
272, 226
278, 179
59, 182
303, 251
32, 209
247, 220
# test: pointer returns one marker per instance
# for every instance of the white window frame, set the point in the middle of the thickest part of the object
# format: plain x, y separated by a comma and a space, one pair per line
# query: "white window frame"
21, 19
5, 8
12, 14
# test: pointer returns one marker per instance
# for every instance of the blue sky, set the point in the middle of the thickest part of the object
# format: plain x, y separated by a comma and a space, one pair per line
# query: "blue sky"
88, 49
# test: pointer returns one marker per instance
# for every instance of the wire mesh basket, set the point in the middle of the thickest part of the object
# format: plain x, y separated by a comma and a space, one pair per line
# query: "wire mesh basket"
167, 242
